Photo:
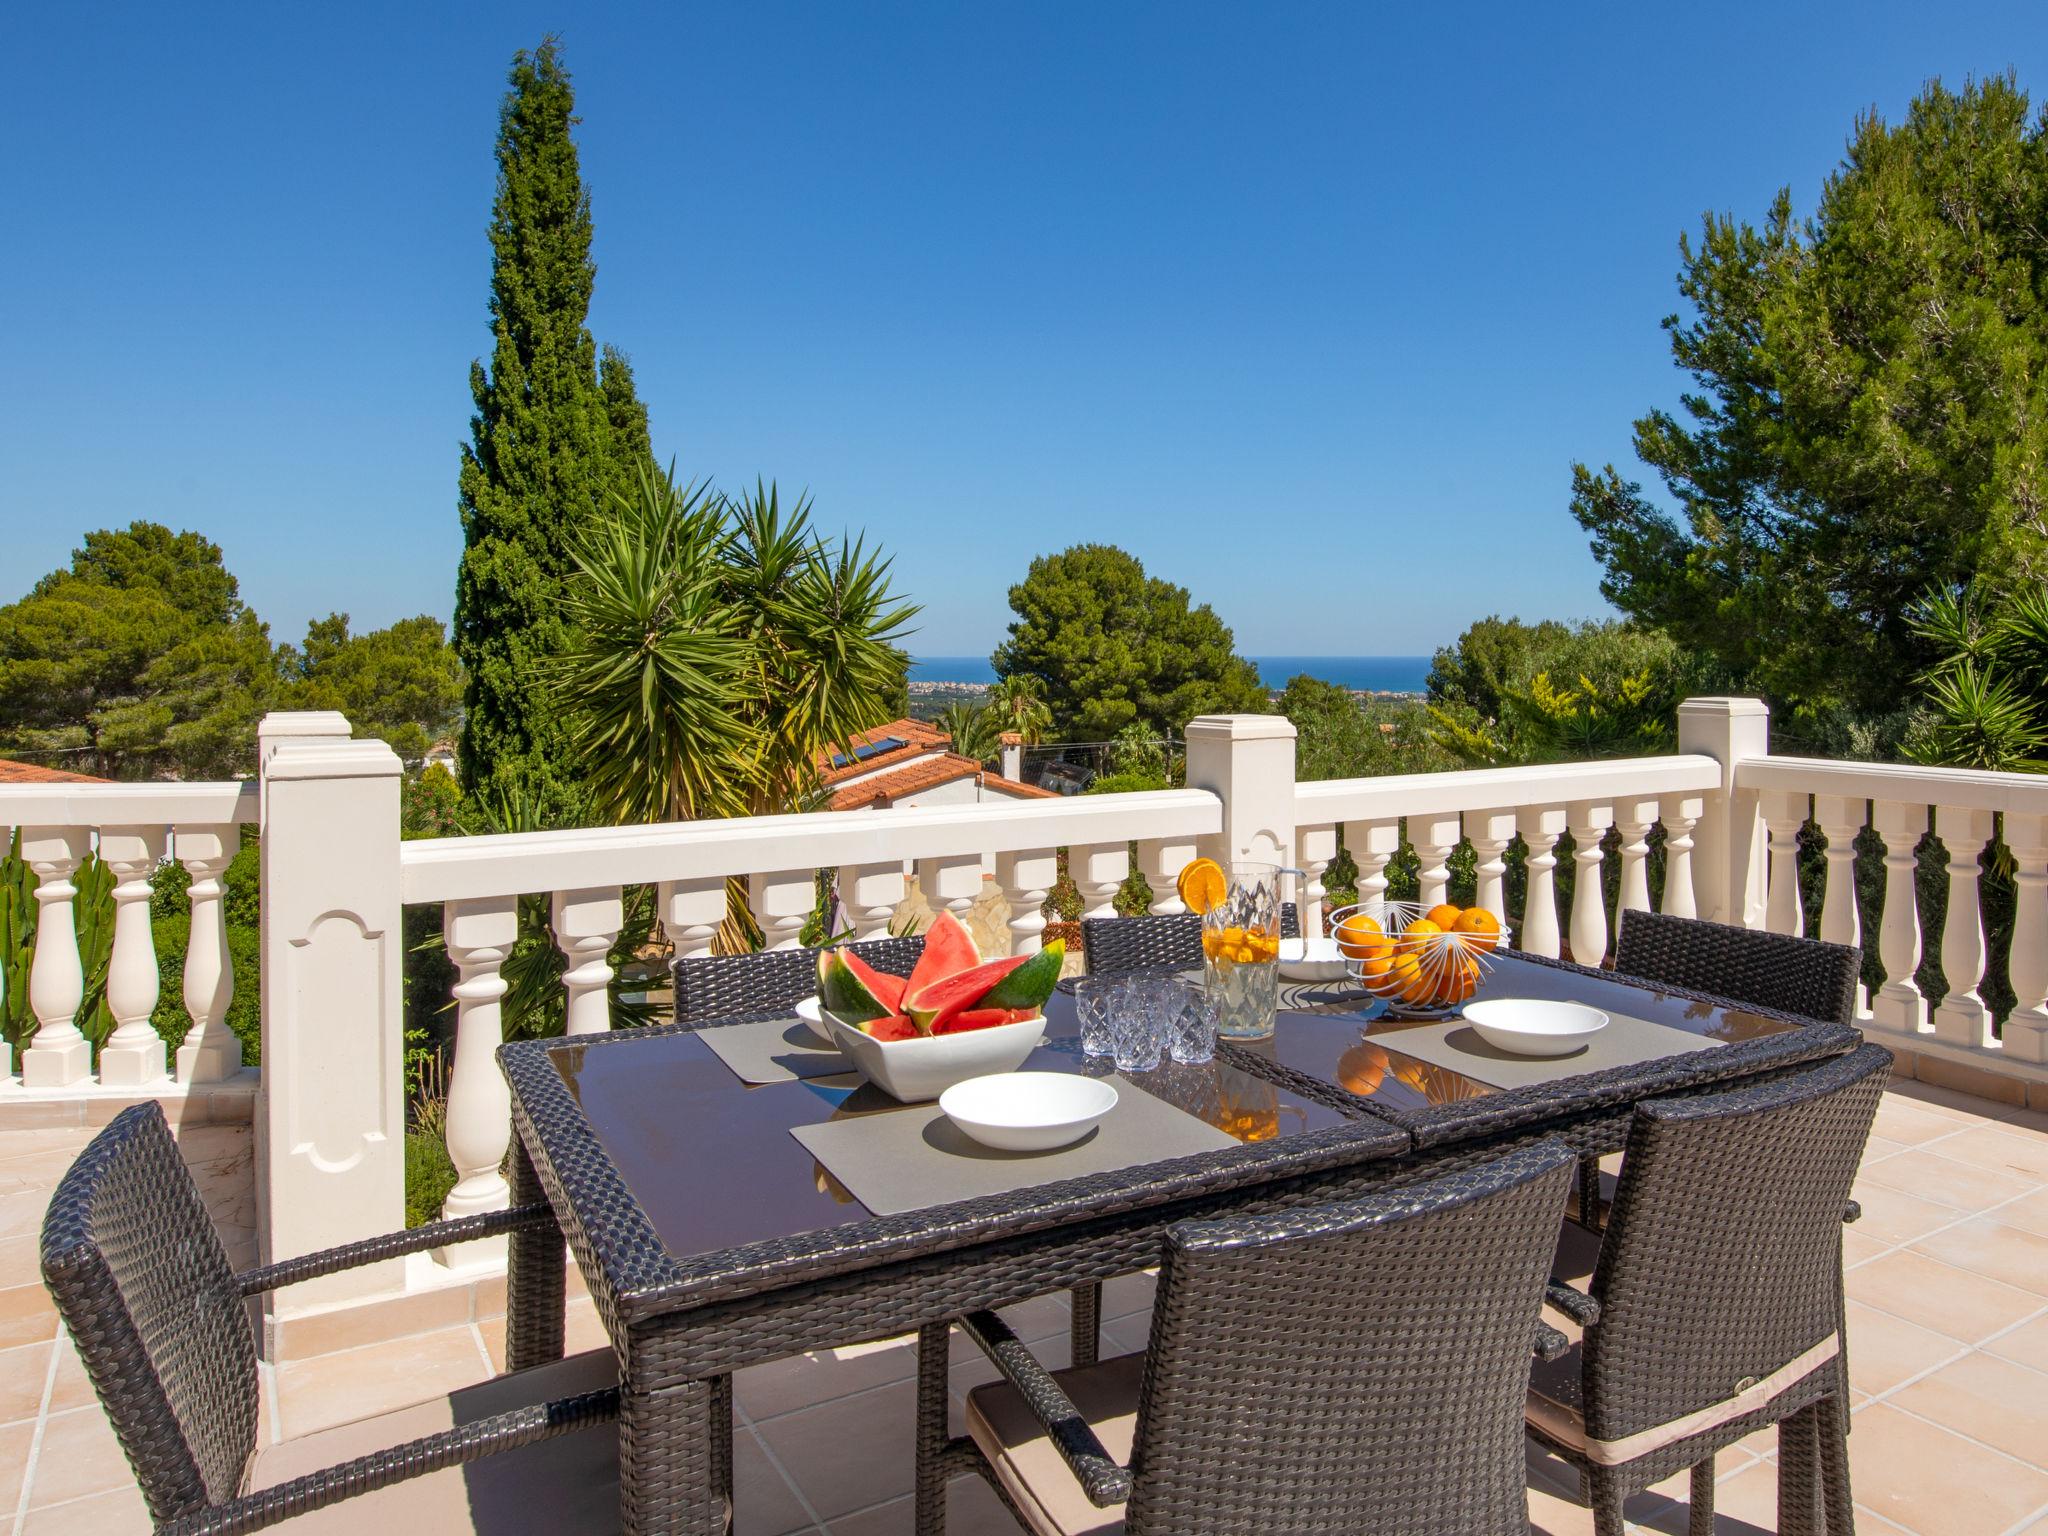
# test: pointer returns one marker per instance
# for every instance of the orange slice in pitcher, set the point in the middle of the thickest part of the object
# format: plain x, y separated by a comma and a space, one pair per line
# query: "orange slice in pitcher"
1202, 886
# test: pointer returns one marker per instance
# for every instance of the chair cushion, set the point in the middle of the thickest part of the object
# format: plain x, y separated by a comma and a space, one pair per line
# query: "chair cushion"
1028, 1465
570, 1483
1556, 1410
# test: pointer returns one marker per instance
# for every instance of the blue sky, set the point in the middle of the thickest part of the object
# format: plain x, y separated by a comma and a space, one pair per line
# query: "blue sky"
1311, 307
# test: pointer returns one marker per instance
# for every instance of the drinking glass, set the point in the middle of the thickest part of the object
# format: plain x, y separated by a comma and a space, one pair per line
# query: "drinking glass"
1241, 952
1091, 1002
1192, 1036
1137, 1026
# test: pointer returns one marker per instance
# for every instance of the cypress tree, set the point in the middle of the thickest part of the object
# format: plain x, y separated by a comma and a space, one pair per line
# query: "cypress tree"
557, 432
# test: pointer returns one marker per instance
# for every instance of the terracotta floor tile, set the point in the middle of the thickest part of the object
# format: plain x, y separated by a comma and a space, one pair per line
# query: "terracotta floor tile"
72, 1387
1989, 1399
850, 1453
971, 1508
1876, 1148
1857, 1248
1928, 1480
1885, 1350
15, 1440
1890, 1216
1967, 1186
2029, 1211
120, 1512
763, 1502
784, 1386
21, 1261
21, 1212
1984, 1245
24, 1372
1936, 1295
491, 1331
1935, 1100
1901, 1120
79, 1456
2027, 1344
27, 1316
1127, 1294
357, 1383
2001, 1147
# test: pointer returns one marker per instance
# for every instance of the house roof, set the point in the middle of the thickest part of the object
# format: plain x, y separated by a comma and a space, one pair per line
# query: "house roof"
919, 738
29, 773
928, 773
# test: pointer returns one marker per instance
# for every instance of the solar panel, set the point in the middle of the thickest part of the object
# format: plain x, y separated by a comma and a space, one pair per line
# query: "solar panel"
871, 749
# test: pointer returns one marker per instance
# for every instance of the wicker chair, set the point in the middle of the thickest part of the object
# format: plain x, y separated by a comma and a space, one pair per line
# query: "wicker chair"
1169, 943
1715, 1306
163, 1326
729, 986
1351, 1367
1809, 977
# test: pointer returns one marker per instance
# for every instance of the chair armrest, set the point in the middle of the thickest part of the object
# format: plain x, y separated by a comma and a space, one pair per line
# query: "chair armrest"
1101, 1478
431, 1453
1571, 1301
1853, 1211
1550, 1344
436, 1234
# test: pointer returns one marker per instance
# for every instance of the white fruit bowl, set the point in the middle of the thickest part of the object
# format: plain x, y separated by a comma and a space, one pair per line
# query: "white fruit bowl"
1028, 1111
1312, 960
1529, 1026
919, 1070
812, 1012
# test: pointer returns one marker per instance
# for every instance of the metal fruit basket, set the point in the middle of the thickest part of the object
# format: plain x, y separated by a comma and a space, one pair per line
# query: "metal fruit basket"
1428, 976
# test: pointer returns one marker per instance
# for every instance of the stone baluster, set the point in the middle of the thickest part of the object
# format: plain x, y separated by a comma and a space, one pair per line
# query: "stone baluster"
782, 902
1098, 872
950, 884
1434, 837
133, 1054
1633, 820
1161, 859
1541, 826
1026, 879
587, 924
691, 912
1899, 1005
479, 935
1784, 814
58, 1056
1840, 819
868, 897
1589, 821
1680, 817
1491, 832
2026, 1028
209, 1052
1315, 847
1961, 1017
1372, 844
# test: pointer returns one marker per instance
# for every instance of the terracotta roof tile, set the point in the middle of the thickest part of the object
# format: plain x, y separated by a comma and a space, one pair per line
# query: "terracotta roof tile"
29, 773
911, 778
918, 737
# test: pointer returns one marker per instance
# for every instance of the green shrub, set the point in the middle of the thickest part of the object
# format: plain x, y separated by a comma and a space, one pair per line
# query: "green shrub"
429, 1175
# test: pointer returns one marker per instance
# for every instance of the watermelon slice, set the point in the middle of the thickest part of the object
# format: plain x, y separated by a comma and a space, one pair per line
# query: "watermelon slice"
948, 950
981, 1018
845, 991
882, 986
1031, 983
893, 1027
951, 994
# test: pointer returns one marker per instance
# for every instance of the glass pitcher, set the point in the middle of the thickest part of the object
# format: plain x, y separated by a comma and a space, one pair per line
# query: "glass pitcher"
1241, 952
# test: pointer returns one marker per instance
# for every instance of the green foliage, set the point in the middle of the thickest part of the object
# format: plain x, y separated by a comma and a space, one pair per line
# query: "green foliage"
1111, 647
556, 435
402, 684
140, 659
1018, 704
429, 803
170, 922
1870, 419
975, 732
1492, 657
17, 943
93, 924
1135, 750
1127, 782
1986, 695
429, 1175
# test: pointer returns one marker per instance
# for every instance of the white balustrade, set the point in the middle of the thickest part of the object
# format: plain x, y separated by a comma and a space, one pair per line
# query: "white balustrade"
782, 902
869, 895
1680, 897
2026, 1029
1784, 814
1099, 872
1372, 845
1840, 819
693, 910
1027, 879
1633, 820
1160, 860
1315, 848
1588, 821
951, 883
58, 1056
1540, 827
1961, 1017
1434, 837
587, 924
480, 935
1491, 832
133, 1055
209, 1052
1899, 1005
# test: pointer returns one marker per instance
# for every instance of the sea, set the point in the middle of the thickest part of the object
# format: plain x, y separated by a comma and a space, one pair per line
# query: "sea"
1368, 674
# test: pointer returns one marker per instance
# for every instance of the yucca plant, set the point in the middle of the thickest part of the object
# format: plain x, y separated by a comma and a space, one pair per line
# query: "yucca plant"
974, 732
1984, 693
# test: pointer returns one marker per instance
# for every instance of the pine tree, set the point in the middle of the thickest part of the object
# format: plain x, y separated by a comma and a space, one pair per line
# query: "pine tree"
556, 435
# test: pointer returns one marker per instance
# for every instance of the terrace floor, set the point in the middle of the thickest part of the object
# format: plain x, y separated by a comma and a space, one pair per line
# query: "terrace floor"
1948, 1356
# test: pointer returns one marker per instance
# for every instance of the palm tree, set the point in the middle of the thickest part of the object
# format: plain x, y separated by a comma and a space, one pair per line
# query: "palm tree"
1018, 701
973, 731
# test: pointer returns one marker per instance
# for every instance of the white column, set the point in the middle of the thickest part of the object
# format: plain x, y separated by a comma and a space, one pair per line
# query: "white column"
1729, 864
2026, 1030
133, 1054
331, 1117
1840, 819
691, 911
1160, 860
1541, 826
1247, 761
869, 895
1315, 847
1491, 832
1961, 1017
1372, 844
1589, 821
1026, 878
480, 934
209, 1052
1681, 815
1633, 820
1099, 872
59, 1055
587, 924
1899, 1005
1784, 814
950, 884
1434, 837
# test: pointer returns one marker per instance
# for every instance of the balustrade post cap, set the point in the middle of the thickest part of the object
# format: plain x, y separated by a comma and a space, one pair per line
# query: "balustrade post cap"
1716, 705
327, 758
1240, 728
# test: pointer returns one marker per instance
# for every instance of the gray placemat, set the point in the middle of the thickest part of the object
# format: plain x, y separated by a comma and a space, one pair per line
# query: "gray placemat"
1457, 1045
773, 1051
908, 1159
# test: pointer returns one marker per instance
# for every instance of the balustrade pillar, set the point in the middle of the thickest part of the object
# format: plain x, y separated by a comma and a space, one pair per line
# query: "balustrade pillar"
1098, 872
869, 895
1961, 1017
2026, 1028
1633, 820
1434, 837
58, 1056
1372, 844
209, 1053
1899, 1005
587, 924
479, 935
1491, 832
691, 913
1680, 817
1540, 827
782, 902
1728, 871
1840, 819
1026, 879
1784, 814
1315, 847
950, 884
133, 1055
1161, 860
1589, 821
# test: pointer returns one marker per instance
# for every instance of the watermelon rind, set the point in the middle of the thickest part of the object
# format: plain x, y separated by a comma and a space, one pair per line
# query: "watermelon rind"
1031, 983
842, 992
963, 989
882, 986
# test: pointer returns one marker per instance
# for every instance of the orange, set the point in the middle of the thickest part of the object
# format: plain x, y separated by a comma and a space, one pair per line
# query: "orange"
1363, 1068
1202, 886
1457, 981
1480, 927
1376, 967
1444, 915
1360, 937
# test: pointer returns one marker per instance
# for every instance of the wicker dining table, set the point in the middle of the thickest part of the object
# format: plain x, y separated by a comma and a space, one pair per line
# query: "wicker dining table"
711, 1239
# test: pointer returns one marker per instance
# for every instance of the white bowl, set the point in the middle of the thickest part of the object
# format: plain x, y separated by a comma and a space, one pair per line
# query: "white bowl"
920, 1069
812, 1012
1529, 1026
1312, 960
1028, 1111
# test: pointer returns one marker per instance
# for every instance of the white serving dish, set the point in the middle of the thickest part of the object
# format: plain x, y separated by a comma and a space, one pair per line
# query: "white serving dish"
1531, 1026
919, 1070
1312, 960
812, 1012
1028, 1111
